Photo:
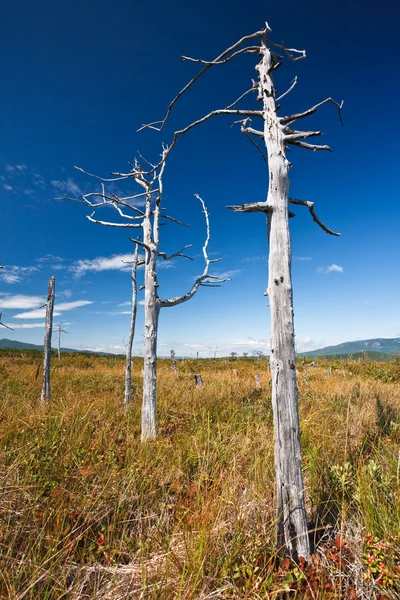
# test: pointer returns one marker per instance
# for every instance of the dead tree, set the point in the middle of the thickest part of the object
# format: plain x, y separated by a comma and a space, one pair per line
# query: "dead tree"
150, 220
47, 341
128, 364
173, 361
60, 330
276, 133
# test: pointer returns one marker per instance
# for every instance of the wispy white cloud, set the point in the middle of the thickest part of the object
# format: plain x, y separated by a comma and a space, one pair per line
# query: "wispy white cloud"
15, 169
39, 180
7, 187
40, 313
67, 186
331, 269
19, 301
255, 259
25, 325
301, 258
107, 349
58, 310
128, 303
227, 274
116, 262
14, 273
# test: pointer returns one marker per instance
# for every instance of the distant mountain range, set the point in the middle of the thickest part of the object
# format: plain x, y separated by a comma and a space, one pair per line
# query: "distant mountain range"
375, 348
382, 345
14, 345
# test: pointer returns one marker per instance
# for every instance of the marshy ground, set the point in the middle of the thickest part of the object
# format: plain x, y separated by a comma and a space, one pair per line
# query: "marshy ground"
86, 511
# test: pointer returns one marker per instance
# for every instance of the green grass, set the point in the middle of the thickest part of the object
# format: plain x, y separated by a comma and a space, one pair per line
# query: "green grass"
86, 511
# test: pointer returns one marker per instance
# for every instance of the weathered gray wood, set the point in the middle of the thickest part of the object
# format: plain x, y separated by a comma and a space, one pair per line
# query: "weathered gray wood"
46, 392
198, 381
258, 380
128, 362
292, 530
173, 361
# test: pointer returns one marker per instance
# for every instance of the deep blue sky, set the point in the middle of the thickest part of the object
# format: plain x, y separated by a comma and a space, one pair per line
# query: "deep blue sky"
79, 78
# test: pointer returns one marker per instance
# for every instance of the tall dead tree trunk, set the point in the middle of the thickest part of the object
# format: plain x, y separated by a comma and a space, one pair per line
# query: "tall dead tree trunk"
277, 134
128, 362
47, 342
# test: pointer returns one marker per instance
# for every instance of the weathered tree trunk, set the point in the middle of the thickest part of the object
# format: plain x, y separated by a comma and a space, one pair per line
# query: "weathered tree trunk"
47, 341
152, 310
128, 364
292, 531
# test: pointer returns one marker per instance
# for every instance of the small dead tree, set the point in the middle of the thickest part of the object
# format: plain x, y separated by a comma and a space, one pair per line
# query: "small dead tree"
277, 134
128, 364
47, 341
150, 220
60, 330
173, 361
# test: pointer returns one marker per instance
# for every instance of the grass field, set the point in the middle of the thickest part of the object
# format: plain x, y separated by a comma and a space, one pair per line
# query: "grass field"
86, 511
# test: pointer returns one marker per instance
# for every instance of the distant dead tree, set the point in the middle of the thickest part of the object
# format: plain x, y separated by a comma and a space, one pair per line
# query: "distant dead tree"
277, 134
149, 220
128, 364
47, 341
173, 360
60, 330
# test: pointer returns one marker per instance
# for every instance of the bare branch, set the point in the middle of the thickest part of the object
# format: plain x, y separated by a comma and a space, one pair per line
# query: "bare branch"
141, 244
212, 63
289, 51
3, 324
179, 253
205, 277
312, 110
293, 84
251, 207
298, 135
310, 206
252, 89
221, 111
159, 125
245, 131
109, 224
314, 147
98, 177
174, 220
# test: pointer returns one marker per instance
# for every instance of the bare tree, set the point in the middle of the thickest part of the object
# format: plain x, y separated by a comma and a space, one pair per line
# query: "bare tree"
128, 364
173, 361
277, 133
47, 341
59, 331
149, 220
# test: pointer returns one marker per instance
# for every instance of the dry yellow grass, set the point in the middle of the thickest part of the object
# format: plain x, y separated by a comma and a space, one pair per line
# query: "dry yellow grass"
87, 512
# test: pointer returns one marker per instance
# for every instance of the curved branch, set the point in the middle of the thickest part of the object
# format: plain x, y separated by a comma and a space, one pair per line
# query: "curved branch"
205, 278
312, 110
310, 206
3, 324
159, 125
179, 253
